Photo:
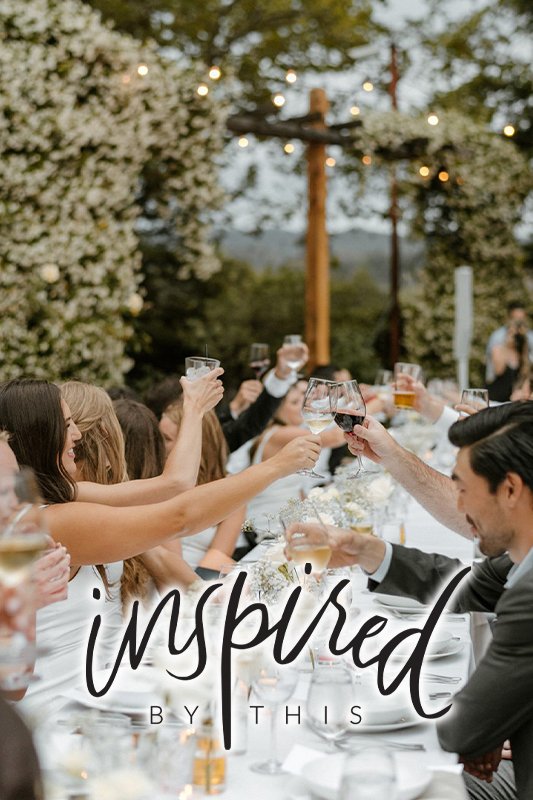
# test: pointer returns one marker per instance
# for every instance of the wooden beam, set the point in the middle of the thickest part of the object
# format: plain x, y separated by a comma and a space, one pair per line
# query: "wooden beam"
317, 305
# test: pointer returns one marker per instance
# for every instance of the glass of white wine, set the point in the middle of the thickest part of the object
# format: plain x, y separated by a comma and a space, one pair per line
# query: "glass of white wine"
309, 546
23, 539
318, 409
294, 353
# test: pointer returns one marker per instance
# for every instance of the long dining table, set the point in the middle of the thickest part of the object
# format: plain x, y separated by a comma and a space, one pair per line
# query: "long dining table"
297, 742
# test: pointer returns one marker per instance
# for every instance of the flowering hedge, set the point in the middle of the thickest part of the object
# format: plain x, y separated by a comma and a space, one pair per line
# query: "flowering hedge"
468, 218
83, 112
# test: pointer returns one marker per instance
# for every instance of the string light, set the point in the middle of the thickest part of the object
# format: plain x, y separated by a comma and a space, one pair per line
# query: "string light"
509, 130
291, 76
202, 90
142, 70
433, 119
424, 171
289, 148
135, 304
243, 141
278, 100
215, 73
368, 86
443, 176
355, 111
330, 161
367, 160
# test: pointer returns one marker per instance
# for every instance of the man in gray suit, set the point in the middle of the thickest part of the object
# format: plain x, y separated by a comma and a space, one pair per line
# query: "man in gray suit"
493, 477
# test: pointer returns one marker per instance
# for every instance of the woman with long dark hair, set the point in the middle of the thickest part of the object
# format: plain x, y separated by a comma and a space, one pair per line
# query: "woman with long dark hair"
43, 437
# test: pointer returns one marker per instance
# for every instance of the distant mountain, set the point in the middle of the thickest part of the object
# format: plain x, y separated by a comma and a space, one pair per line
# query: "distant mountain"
350, 251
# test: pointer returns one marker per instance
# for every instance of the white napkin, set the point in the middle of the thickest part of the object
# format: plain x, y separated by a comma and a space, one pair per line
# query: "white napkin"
299, 757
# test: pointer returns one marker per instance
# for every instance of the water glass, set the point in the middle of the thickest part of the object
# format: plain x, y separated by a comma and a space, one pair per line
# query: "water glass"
369, 774
198, 366
329, 701
273, 685
477, 398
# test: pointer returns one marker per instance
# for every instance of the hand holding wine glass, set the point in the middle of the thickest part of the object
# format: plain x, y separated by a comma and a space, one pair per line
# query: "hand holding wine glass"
294, 353
259, 358
317, 410
350, 410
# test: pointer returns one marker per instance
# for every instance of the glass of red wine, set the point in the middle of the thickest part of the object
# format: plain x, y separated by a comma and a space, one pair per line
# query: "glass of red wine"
259, 358
350, 410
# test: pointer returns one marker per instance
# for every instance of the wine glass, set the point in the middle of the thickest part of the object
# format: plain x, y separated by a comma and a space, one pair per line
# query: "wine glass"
273, 685
309, 547
259, 358
317, 410
477, 398
350, 410
294, 353
329, 701
23, 538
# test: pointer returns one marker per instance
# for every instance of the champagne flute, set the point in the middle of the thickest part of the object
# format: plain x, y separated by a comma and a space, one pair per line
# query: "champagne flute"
259, 358
23, 538
273, 685
350, 410
329, 701
317, 411
294, 353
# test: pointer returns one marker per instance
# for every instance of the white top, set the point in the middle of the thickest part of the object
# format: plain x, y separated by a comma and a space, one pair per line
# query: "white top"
269, 502
63, 633
194, 547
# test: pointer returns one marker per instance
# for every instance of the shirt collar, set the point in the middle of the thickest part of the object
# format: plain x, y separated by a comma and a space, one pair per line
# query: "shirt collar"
518, 570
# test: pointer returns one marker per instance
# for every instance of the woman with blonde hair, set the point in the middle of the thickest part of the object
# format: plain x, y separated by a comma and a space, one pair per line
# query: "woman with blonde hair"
213, 547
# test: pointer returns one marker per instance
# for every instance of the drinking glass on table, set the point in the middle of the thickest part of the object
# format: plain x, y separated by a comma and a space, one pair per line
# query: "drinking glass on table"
309, 547
198, 366
273, 684
477, 398
294, 353
23, 538
350, 410
259, 358
329, 701
317, 410
405, 398
369, 774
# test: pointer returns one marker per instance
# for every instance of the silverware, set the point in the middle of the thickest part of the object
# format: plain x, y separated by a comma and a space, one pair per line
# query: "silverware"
428, 676
438, 695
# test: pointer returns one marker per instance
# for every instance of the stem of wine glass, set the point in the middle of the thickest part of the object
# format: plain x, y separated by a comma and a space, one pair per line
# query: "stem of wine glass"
273, 735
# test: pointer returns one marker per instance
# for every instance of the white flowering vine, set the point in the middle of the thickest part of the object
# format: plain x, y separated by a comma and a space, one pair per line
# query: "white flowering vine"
84, 111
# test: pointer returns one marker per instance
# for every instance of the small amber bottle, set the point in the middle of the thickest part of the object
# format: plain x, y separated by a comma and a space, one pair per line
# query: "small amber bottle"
209, 768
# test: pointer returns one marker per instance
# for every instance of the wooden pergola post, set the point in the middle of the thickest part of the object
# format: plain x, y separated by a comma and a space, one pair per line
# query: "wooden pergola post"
317, 291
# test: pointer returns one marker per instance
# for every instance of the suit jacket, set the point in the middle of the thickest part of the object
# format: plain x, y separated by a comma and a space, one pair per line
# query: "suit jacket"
251, 422
497, 702
19, 769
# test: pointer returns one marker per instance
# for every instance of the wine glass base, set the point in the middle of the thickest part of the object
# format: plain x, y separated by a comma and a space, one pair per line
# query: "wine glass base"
271, 767
310, 473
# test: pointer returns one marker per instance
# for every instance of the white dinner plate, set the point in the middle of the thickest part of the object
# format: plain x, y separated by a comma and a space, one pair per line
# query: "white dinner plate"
108, 703
323, 778
397, 603
385, 727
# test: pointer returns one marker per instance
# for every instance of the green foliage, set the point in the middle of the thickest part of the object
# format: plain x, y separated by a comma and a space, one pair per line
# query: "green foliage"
256, 40
238, 305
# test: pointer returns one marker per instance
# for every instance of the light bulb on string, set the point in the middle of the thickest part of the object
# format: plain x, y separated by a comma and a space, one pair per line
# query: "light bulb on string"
443, 176
368, 86
330, 161
202, 90
142, 70
367, 160
355, 111
215, 73
291, 76
243, 141
279, 100
289, 148
509, 130
424, 171
433, 119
